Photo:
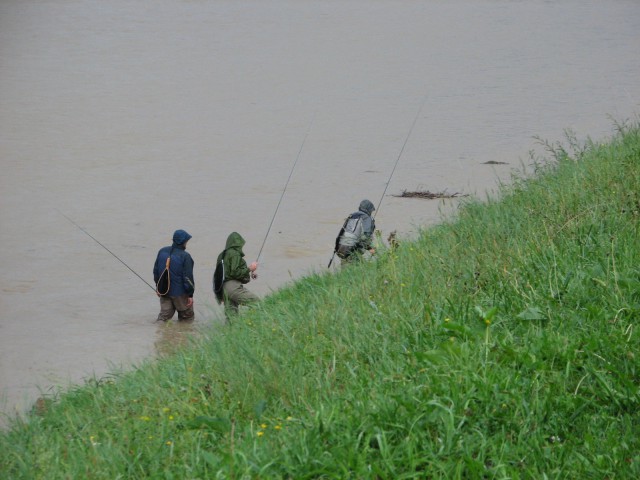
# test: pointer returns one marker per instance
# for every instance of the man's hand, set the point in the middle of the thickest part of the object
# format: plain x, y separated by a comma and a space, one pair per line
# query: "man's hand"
253, 267
190, 302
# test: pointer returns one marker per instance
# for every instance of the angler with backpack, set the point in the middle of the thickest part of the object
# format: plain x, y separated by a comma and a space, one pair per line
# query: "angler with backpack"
173, 275
232, 274
356, 235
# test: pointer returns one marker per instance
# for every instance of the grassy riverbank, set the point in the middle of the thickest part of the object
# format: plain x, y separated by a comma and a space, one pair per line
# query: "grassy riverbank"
502, 344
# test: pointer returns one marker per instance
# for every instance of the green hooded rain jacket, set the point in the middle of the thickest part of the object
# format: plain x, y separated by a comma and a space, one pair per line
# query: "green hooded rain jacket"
235, 266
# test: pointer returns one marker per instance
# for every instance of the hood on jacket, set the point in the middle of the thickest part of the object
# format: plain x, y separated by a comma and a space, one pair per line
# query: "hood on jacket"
367, 207
235, 240
180, 237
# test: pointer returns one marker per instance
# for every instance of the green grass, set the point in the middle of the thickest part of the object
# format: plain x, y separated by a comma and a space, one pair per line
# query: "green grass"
502, 343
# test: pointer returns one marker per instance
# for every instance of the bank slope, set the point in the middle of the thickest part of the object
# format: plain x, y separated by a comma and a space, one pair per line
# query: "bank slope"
502, 343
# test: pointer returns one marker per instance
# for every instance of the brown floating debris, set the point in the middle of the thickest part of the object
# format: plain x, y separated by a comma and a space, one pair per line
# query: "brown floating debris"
429, 195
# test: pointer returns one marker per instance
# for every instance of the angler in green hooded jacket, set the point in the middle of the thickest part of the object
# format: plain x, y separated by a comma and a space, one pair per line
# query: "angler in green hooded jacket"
236, 274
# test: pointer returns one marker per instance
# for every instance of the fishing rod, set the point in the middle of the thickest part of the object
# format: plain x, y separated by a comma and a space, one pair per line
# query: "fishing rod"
96, 240
285, 186
335, 250
415, 120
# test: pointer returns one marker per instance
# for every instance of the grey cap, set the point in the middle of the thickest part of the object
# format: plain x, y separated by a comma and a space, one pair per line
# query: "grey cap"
367, 207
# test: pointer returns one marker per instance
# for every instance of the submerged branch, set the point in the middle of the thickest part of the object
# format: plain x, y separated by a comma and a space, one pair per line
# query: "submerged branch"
429, 195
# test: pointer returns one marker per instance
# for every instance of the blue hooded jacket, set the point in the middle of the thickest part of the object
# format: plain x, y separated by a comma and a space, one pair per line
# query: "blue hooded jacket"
180, 267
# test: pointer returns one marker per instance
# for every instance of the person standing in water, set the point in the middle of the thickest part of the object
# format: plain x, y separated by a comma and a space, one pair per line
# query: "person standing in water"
356, 235
173, 275
231, 275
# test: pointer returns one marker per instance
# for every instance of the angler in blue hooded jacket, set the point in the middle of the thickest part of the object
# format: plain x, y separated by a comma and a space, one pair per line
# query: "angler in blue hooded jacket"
177, 295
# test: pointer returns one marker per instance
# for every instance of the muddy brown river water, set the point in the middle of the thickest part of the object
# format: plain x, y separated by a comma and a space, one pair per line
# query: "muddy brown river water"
134, 119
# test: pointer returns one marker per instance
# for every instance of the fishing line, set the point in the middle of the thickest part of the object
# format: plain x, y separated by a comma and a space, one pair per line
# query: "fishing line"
96, 240
415, 120
285, 186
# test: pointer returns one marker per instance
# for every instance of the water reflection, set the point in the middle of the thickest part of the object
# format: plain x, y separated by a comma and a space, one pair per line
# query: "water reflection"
171, 336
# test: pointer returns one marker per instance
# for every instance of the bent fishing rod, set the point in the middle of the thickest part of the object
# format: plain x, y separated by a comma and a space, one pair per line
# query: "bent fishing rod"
98, 242
285, 186
415, 120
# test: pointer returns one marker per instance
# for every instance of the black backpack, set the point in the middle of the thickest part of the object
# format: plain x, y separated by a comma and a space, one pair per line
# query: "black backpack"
218, 281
